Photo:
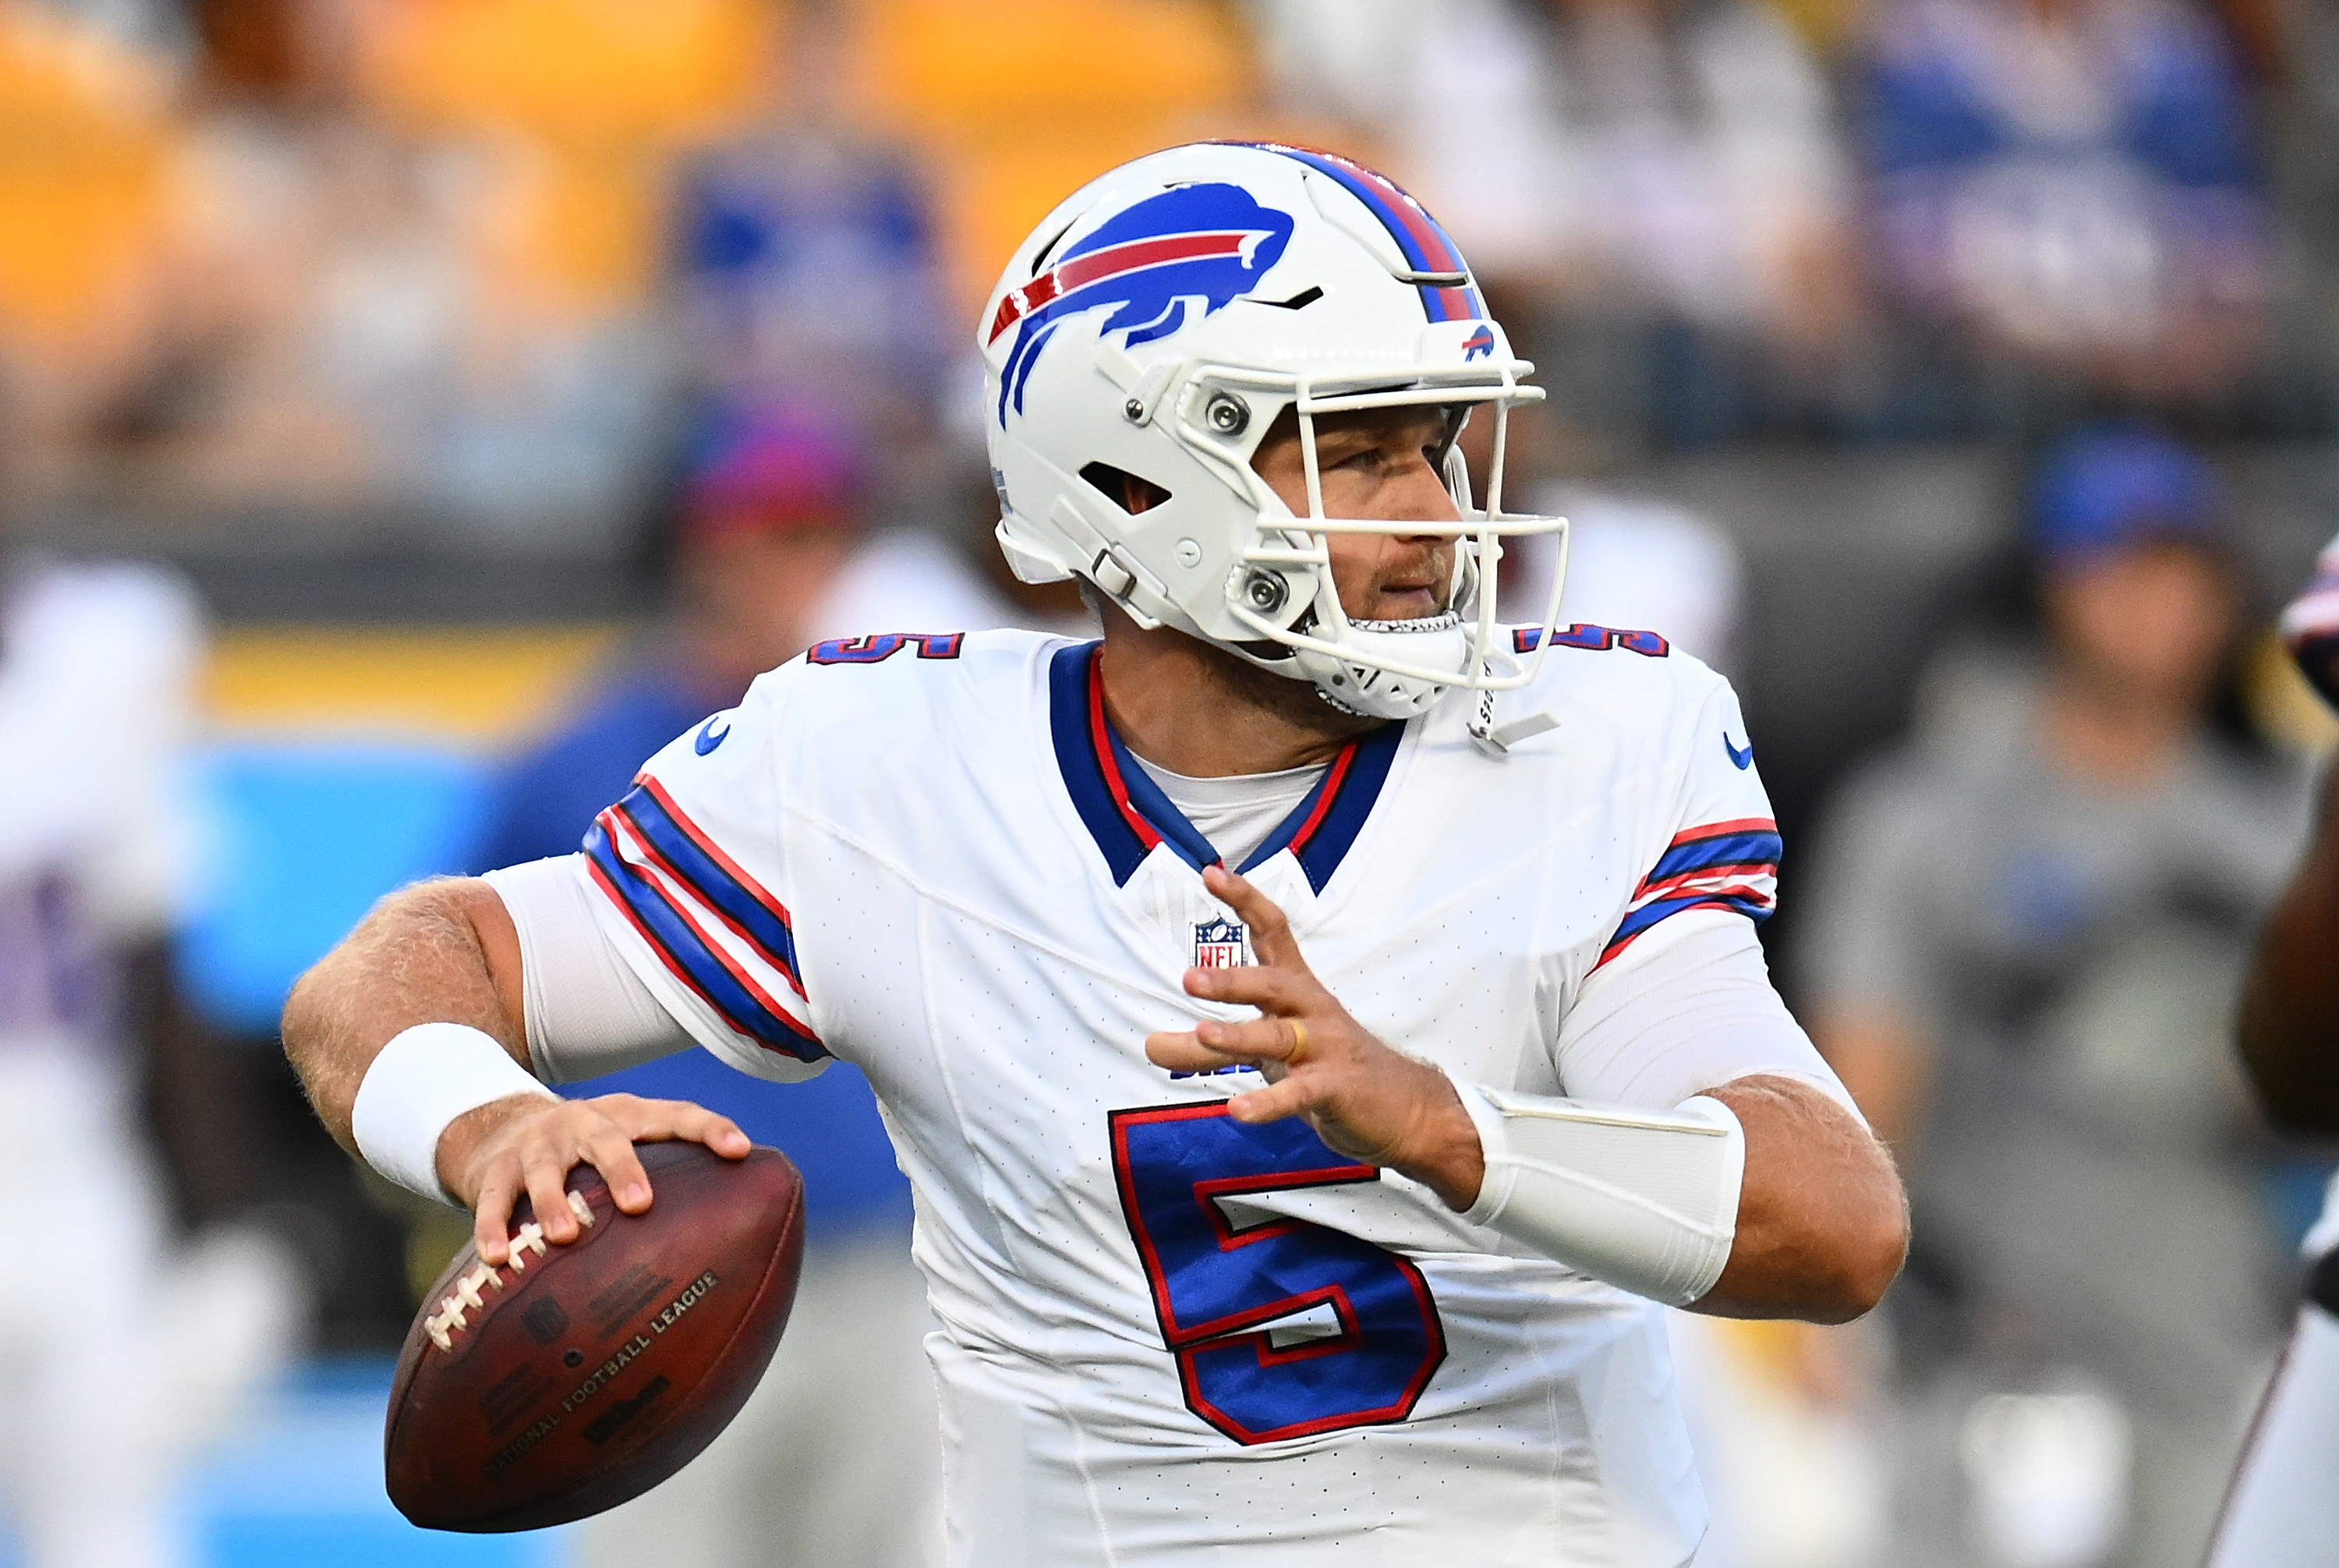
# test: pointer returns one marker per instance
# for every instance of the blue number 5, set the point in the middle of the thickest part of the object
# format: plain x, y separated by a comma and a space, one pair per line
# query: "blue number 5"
1215, 1286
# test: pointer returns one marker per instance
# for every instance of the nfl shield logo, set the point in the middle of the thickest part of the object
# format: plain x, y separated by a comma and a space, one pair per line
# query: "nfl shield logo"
1220, 944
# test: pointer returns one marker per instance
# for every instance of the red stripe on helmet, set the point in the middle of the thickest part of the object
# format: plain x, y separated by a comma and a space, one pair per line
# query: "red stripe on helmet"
1113, 260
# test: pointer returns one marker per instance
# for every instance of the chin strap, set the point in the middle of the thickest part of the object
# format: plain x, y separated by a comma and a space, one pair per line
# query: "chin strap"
1496, 740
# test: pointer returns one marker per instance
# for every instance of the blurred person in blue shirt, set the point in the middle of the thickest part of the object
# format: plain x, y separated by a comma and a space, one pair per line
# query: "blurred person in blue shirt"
2072, 183
772, 502
769, 519
2023, 934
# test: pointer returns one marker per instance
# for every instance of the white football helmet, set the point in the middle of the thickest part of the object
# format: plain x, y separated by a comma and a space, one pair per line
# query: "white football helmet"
1159, 322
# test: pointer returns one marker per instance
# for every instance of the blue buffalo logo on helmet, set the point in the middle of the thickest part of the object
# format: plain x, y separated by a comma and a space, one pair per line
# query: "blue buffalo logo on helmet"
1481, 342
1205, 243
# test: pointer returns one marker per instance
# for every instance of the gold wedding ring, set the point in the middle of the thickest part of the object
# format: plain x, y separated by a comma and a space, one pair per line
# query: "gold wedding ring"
1298, 1043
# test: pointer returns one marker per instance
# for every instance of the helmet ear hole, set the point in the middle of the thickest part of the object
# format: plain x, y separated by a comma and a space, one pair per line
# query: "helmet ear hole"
1124, 489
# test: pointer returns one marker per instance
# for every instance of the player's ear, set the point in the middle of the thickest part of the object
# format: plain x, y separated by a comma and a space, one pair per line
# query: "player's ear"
1133, 493
1139, 495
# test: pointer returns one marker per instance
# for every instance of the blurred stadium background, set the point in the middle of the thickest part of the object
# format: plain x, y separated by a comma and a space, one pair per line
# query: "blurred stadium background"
404, 346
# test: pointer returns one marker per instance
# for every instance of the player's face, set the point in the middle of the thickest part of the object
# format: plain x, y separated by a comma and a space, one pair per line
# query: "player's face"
1376, 464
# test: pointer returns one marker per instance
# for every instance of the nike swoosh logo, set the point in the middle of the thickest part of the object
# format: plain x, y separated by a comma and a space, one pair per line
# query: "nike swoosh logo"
708, 739
1741, 759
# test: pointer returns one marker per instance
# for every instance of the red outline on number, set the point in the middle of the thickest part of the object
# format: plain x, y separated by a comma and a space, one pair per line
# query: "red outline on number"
1223, 1333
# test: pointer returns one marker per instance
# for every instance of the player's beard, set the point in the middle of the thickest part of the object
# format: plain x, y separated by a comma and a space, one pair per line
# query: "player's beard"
1295, 700
1290, 699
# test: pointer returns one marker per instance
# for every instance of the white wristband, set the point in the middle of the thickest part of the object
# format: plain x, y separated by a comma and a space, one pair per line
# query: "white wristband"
1645, 1200
424, 1079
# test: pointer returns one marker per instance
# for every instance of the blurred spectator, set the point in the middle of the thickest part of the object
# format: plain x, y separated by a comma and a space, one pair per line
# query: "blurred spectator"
107, 1384
417, 262
336, 267
2071, 185
1656, 183
768, 552
2022, 930
772, 505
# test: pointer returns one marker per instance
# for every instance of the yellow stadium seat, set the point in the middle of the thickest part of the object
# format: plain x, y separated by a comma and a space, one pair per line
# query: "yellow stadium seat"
586, 72
1015, 106
970, 67
599, 95
85, 149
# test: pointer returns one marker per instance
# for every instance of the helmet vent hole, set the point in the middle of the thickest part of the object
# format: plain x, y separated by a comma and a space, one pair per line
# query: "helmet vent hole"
1298, 301
1048, 250
1124, 489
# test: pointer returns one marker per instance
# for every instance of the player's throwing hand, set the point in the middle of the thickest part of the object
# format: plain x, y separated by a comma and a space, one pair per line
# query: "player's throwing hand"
491, 1156
1367, 1100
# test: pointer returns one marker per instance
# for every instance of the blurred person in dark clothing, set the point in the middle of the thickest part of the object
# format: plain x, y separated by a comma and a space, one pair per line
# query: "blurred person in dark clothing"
2023, 930
2283, 1511
770, 526
2072, 183
773, 502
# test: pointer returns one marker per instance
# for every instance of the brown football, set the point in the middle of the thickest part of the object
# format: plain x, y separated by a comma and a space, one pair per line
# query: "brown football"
576, 1378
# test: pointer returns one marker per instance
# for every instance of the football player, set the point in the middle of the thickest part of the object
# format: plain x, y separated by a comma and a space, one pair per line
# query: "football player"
2283, 1511
1320, 1024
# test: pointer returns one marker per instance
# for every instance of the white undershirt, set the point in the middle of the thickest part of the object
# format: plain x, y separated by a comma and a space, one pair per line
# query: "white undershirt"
1236, 813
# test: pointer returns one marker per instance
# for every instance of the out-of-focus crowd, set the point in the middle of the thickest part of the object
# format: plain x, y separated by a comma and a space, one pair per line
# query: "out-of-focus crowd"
331, 266
428, 311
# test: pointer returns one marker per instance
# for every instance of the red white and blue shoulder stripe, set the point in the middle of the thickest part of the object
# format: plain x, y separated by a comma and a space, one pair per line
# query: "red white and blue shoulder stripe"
1732, 865
718, 929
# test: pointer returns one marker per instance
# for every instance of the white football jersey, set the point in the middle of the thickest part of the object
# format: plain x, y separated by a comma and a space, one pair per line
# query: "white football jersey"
1170, 1338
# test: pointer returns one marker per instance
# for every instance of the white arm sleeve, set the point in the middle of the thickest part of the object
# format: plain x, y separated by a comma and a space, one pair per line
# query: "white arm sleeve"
587, 1013
1633, 1177
1687, 1008
1645, 1200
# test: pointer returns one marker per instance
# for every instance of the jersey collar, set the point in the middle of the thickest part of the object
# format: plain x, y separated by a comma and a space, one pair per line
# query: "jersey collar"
1127, 814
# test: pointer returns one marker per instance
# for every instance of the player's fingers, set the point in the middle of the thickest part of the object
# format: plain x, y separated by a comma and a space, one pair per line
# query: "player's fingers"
491, 1215
1281, 991
1288, 1098
1270, 932
1179, 1051
669, 1120
544, 1165
608, 1148
1258, 1039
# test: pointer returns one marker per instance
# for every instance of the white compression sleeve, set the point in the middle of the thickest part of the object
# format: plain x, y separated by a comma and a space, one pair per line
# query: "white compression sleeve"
587, 1013
1645, 1200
